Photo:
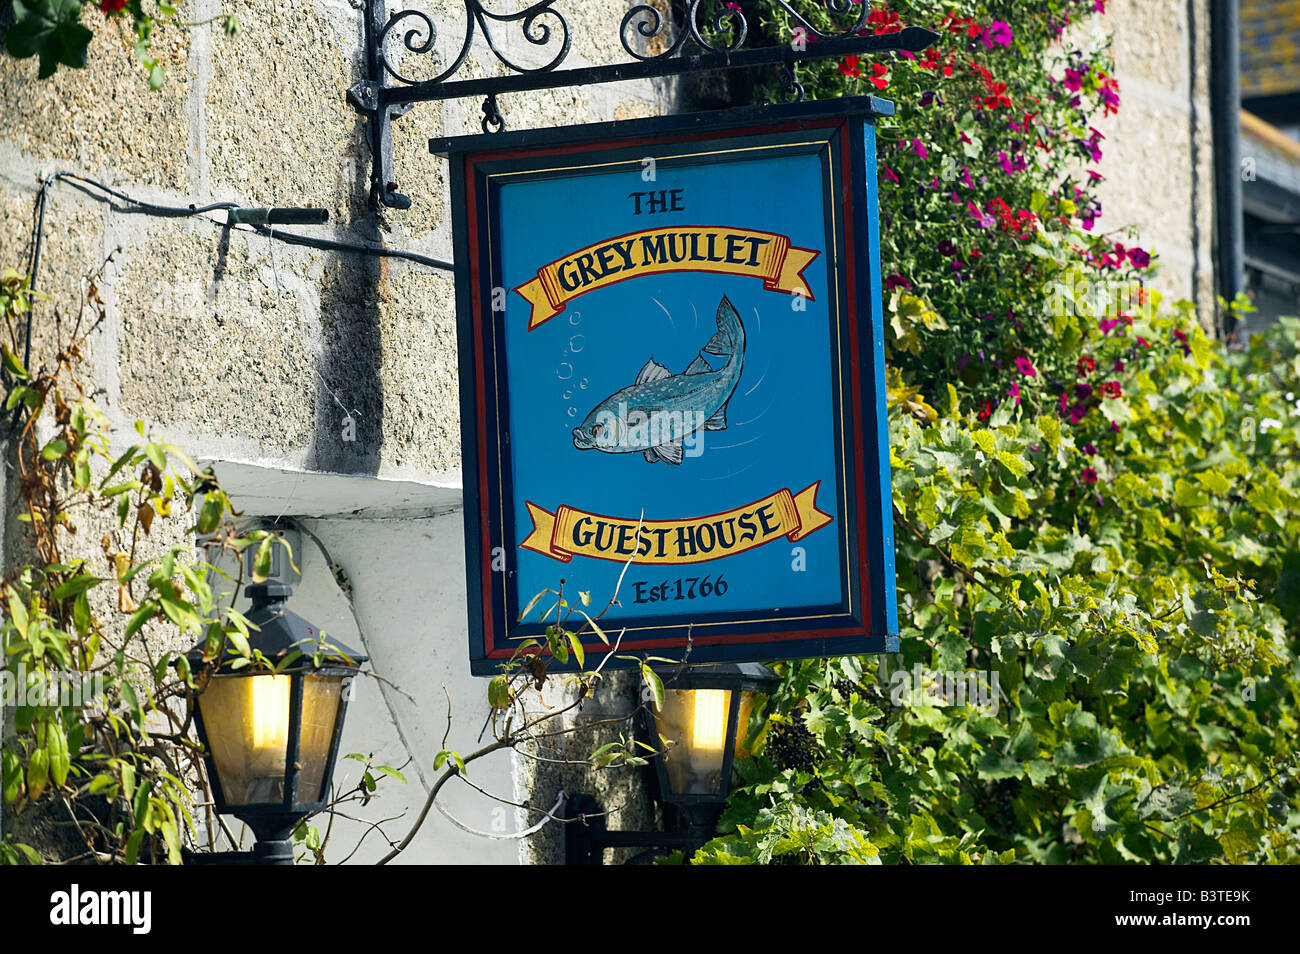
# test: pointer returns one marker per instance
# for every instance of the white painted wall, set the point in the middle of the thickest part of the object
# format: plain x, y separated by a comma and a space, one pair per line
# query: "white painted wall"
404, 556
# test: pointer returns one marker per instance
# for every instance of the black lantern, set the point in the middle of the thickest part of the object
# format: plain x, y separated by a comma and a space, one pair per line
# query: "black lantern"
699, 732
270, 738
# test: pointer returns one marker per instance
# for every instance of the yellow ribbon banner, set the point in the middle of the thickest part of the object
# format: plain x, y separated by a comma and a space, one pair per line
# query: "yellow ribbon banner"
566, 532
690, 248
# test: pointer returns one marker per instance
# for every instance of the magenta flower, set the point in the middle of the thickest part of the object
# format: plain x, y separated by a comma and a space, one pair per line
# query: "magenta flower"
1026, 367
1139, 257
1089, 475
889, 173
1014, 391
918, 147
1011, 164
1107, 325
1090, 449
897, 281
999, 32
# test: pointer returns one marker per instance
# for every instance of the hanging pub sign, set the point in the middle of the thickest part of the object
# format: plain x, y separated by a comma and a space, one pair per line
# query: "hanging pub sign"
672, 374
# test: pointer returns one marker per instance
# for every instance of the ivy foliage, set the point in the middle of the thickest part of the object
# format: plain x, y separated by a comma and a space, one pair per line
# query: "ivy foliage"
99, 737
1097, 510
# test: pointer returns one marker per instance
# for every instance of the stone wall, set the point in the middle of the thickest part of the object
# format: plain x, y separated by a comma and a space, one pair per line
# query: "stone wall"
1158, 155
253, 355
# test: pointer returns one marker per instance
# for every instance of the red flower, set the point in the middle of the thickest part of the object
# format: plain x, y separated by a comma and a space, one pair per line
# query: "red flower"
884, 21
880, 79
1085, 366
986, 411
1111, 389
111, 6
851, 67
1089, 475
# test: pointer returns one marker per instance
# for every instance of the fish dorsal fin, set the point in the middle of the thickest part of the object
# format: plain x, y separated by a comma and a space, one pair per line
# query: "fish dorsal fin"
670, 453
718, 422
653, 371
698, 366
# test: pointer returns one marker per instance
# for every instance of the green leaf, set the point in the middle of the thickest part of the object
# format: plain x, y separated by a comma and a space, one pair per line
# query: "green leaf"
262, 560
78, 584
11, 363
210, 515
391, 772
56, 744
38, 773
531, 603
51, 30
156, 456
655, 684
595, 627
499, 692
576, 643
147, 611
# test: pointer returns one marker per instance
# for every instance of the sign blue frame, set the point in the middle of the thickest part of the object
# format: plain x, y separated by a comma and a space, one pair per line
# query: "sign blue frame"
672, 374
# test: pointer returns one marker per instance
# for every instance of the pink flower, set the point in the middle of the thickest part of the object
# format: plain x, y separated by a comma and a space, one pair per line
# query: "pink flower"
918, 147
1014, 392
999, 32
1026, 367
889, 173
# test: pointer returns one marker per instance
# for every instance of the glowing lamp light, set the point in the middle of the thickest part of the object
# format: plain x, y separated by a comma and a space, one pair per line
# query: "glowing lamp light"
271, 739
703, 725
700, 730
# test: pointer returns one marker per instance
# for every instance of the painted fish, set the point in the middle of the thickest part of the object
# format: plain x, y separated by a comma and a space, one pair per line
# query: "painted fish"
660, 410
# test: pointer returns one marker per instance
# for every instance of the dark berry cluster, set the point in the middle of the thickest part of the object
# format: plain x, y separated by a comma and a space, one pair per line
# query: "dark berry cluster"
846, 688
790, 745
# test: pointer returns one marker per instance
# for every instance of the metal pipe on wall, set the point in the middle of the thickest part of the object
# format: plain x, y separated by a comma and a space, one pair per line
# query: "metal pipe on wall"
1225, 111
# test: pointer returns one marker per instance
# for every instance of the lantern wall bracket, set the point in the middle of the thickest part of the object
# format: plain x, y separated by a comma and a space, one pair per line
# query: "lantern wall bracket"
695, 36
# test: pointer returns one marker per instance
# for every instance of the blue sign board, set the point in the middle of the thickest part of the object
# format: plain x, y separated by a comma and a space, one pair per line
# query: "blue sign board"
671, 364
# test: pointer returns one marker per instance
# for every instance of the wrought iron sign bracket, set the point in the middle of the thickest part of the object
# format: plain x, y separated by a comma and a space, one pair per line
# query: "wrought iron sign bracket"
688, 40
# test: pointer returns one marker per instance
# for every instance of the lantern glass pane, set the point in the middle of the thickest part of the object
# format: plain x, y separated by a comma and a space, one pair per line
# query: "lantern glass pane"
246, 720
321, 696
693, 724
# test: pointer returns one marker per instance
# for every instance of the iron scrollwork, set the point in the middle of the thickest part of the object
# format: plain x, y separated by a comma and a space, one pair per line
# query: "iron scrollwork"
536, 22
662, 37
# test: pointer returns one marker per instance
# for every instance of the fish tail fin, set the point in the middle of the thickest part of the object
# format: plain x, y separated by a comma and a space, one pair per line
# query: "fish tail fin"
730, 336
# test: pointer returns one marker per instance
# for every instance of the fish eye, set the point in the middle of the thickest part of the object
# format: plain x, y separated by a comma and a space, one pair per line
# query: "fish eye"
596, 429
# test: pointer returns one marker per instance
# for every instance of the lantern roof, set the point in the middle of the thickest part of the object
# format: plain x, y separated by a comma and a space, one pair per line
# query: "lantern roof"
277, 631
744, 677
